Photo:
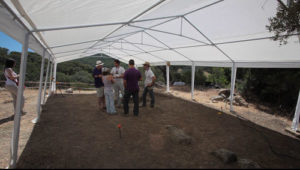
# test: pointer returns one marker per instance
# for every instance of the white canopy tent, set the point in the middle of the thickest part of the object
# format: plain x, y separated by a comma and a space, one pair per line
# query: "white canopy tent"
215, 33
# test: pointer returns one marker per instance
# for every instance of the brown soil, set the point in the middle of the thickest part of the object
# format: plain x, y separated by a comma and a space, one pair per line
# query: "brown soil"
254, 112
72, 133
6, 123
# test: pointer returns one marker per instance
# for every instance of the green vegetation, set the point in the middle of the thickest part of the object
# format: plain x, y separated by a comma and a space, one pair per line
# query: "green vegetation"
286, 22
277, 88
79, 70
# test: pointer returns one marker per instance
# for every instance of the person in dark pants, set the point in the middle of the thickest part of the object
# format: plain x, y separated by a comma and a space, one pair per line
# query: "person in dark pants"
131, 78
149, 83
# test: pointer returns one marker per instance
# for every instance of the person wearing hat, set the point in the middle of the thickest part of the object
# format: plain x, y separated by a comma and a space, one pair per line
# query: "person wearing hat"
97, 74
149, 83
118, 74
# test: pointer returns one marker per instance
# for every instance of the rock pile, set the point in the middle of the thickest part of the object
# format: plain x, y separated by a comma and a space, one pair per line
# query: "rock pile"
224, 96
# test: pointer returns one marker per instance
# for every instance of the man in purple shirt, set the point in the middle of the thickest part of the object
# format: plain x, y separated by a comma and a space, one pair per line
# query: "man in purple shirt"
131, 78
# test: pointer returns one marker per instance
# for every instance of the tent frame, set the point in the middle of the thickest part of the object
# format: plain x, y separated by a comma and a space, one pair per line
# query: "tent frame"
20, 100
38, 110
52, 86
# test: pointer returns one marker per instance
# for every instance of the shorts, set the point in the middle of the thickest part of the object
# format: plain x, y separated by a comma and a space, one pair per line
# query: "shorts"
100, 91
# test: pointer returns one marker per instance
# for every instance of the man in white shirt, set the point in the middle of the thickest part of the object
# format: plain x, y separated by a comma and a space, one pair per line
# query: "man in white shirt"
118, 74
149, 84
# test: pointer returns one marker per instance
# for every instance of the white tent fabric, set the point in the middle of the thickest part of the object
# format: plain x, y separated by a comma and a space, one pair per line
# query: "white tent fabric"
153, 30
217, 33
16, 30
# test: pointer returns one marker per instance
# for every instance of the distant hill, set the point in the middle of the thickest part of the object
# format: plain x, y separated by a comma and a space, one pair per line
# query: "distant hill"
108, 61
79, 70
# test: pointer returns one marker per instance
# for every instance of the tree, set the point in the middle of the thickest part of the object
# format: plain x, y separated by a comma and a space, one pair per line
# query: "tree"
82, 76
286, 22
219, 77
3, 54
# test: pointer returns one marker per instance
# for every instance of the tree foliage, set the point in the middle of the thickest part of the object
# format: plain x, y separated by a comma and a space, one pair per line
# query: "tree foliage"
79, 70
286, 22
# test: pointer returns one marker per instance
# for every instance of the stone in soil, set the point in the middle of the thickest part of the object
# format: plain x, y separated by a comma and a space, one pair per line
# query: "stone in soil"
225, 155
248, 164
225, 92
217, 98
178, 135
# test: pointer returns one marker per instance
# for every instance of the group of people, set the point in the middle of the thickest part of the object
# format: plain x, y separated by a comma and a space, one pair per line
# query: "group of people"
119, 85
112, 85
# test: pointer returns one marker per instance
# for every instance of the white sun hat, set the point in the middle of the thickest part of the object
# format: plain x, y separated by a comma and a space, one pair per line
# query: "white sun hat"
99, 63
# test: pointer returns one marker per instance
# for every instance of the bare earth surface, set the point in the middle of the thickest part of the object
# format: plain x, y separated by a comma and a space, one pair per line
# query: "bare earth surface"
252, 113
72, 133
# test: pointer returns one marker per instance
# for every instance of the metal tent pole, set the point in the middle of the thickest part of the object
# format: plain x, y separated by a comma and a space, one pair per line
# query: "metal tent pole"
193, 80
38, 106
168, 76
172, 49
295, 123
233, 77
18, 109
54, 76
133, 20
212, 43
45, 84
50, 80
169, 33
144, 50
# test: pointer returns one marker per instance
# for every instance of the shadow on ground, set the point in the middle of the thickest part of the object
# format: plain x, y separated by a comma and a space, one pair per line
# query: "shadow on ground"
72, 133
8, 119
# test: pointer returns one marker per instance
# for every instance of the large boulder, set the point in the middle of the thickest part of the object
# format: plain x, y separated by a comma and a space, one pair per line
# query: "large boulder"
178, 135
225, 92
216, 99
69, 90
225, 156
178, 83
240, 101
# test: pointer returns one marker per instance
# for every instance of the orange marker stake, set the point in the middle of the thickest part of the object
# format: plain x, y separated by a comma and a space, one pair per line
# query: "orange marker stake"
119, 126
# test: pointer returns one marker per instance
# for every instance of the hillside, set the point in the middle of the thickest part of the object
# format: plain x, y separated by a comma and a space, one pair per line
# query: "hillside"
79, 70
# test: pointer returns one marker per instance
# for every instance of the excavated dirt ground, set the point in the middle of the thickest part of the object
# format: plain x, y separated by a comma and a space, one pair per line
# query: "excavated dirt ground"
73, 133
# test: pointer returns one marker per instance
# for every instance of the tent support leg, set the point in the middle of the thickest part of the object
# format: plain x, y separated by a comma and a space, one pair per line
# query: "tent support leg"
38, 106
18, 109
168, 77
193, 80
233, 77
45, 84
54, 77
295, 123
51, 80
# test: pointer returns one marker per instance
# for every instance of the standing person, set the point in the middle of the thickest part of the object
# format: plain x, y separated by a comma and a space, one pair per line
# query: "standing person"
11, 83
108, 81
118, 74
149, 83
97, 74
131, 78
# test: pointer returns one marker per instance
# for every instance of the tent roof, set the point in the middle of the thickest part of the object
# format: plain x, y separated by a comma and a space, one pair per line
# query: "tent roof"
203, 32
